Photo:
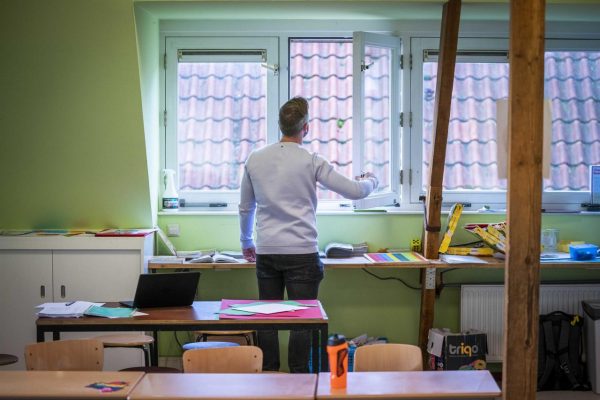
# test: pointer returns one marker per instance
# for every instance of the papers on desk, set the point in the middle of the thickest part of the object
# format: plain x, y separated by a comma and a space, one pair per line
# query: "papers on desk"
73, 309
453, 259
260, 307
110, 312
268, 308
555, 256
217, 258
78, 309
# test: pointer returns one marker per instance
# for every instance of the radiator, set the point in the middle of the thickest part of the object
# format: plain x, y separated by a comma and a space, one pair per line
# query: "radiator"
481, 308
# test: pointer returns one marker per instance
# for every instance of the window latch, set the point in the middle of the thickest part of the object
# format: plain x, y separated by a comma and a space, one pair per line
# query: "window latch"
271, 67
364, 66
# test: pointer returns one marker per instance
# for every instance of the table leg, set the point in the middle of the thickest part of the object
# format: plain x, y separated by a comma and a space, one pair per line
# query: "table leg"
315, 351
40, 335
154, 350
55, 335
324, 361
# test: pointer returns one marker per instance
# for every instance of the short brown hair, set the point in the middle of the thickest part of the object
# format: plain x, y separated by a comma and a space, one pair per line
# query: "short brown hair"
293, 115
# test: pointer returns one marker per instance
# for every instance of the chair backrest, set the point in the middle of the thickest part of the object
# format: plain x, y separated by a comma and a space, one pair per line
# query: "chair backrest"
388, 357
240, 359
65, 355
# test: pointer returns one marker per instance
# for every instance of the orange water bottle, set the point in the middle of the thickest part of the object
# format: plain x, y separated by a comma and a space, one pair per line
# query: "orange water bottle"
337, 348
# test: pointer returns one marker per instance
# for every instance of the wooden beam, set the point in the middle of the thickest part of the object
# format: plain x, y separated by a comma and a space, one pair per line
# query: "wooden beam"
525, 137
432, 223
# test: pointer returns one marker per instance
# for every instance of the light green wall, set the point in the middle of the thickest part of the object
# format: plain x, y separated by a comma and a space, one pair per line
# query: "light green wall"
73, 152
147, 41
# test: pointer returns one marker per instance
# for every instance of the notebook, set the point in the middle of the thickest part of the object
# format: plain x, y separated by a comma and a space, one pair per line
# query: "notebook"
165, 290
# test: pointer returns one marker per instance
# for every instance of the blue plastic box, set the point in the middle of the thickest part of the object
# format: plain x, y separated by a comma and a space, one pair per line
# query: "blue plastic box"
582, 252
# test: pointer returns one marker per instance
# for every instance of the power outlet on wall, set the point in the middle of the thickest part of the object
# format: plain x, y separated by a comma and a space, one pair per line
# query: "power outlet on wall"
173, 229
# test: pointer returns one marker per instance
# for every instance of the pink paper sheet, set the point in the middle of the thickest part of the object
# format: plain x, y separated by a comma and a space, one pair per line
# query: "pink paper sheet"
309, 313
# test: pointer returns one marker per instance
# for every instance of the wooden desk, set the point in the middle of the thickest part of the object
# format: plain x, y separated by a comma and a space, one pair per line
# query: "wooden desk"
361, 262
202, 315
226, 386
63, 384
412, 385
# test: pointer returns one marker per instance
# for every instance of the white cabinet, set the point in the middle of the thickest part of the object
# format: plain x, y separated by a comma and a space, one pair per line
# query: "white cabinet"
35, 270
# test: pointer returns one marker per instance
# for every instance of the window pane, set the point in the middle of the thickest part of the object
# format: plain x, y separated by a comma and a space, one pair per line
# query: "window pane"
321, 71
471, 162
376, 149
221, 118
572, 82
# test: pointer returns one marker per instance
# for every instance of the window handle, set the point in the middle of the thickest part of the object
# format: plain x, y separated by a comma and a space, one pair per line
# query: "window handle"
42, 291
63, 291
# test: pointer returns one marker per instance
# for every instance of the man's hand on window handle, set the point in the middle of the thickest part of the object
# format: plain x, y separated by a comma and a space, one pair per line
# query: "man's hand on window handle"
370, 176
249, 254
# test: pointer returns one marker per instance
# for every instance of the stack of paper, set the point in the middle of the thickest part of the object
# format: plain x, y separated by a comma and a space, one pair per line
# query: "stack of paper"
260, 307
74, 309
345, 250
110, 312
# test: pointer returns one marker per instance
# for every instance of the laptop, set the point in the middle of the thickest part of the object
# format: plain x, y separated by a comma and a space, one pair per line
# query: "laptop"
165, 290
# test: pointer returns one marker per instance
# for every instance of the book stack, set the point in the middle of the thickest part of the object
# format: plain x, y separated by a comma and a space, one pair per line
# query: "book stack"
345, 250
493, 235
73, 309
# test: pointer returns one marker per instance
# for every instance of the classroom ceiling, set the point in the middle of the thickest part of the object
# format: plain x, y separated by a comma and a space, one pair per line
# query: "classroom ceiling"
557, 10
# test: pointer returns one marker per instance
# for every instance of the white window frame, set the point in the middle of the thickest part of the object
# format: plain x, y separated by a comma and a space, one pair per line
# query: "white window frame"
568, 200
278, 86
172, 46
555, 200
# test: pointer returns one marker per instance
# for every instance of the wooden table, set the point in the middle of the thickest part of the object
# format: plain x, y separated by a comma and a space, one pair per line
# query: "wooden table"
63, 384
412, 385
226, 386
362, 262
202, 315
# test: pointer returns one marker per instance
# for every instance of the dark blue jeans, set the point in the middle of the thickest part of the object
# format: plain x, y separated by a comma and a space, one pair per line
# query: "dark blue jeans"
300, 275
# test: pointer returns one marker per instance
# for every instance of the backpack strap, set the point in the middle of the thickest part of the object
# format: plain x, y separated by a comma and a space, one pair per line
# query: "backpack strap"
563, 353
550, 353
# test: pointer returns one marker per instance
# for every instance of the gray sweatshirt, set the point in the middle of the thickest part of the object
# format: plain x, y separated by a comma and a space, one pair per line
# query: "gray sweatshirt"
280, 186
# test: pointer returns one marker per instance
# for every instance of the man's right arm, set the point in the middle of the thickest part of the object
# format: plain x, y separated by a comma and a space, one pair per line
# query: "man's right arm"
247, 209
333, 180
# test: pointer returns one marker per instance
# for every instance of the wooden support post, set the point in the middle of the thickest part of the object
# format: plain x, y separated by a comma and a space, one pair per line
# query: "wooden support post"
445, 80
525, 122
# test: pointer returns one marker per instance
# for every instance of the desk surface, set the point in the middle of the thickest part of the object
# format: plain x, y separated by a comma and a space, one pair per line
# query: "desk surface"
226, 386
63, 384
361, 262
412, 385
201, 311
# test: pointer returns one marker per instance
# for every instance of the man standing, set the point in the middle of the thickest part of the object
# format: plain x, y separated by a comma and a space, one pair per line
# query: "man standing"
280, 186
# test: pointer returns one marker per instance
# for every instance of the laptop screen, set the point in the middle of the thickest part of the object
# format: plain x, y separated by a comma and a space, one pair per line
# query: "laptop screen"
166, 290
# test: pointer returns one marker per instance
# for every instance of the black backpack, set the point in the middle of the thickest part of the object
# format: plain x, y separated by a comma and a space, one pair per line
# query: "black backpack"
560, 365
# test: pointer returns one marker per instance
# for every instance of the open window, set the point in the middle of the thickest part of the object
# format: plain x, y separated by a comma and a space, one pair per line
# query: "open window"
376, 71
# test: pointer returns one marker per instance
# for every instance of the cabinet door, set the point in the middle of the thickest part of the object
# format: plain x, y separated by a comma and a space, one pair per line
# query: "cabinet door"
25, 282
95, 275
101, 276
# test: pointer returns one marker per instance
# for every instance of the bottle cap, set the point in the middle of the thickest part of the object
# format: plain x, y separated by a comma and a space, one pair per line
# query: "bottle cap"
336, 339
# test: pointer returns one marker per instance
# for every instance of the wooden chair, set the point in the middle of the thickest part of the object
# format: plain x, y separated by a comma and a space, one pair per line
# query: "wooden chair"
388, 357
239, 359
129, 340
65, 355
249, 337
